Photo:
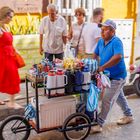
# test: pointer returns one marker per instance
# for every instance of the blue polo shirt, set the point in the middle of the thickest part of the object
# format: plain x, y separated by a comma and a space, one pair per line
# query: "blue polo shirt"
106, 52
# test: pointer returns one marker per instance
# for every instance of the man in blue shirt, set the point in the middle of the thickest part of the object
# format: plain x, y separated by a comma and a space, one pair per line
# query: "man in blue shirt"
109, 51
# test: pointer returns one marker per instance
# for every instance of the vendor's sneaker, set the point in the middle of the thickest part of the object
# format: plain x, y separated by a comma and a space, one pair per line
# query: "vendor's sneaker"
96, 129
125, 120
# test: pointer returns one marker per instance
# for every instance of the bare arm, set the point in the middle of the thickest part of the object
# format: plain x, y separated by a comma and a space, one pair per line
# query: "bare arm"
64, 39
40, 47
113, 61
70, 34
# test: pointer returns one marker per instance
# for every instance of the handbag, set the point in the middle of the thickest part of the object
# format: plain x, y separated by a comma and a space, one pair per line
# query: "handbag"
19, 60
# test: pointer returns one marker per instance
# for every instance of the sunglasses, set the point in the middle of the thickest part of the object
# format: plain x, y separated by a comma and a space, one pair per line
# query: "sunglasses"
78, 15
10, 16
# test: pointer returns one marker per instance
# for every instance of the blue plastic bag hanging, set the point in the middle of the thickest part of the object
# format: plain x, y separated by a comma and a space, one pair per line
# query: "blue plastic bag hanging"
92, 99
30, 112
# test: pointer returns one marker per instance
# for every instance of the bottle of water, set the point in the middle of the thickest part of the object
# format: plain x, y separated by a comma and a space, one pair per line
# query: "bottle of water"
73, 52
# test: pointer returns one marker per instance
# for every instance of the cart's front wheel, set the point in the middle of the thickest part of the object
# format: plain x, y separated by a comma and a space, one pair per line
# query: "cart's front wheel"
76, 127
15, 128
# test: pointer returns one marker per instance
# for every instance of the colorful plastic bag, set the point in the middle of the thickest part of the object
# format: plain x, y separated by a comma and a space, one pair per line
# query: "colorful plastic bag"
68, 53
92, 99
105, 81
30, 112
92, 64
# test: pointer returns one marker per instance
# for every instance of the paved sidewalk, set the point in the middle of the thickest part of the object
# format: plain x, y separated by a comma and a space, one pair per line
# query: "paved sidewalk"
111, 131
21, 99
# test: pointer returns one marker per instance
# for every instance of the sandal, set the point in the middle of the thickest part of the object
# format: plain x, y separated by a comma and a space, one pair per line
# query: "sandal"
2, 103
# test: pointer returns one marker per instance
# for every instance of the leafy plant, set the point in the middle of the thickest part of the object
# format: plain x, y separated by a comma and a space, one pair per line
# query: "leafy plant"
25, 24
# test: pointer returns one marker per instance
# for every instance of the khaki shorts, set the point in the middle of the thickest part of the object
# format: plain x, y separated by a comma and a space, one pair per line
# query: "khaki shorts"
88, 55
84, 55
81, 55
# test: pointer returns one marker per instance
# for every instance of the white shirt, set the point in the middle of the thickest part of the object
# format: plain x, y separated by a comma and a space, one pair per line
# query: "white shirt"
91, 33
76, 29
53, 32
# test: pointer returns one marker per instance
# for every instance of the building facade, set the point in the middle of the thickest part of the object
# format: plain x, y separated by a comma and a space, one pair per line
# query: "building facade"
137, 38
124, 13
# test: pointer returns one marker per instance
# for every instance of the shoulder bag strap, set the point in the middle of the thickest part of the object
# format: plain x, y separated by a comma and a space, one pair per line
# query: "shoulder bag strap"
80, 35
1, 32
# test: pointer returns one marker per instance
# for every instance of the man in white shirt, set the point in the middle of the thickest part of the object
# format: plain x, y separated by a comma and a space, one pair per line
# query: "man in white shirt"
93, 32
53, 34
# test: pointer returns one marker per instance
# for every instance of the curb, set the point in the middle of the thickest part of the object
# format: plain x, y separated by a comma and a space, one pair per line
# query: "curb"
5, 112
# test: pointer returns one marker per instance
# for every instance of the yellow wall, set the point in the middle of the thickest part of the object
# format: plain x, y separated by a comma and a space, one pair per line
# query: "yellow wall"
122, 9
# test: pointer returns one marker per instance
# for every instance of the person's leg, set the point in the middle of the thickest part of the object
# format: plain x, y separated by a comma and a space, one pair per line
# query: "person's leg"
12, 103
110, 96
2, 102
49, 56
122, 102
59, 56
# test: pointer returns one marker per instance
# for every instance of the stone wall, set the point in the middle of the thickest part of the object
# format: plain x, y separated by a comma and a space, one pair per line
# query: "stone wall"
28, 47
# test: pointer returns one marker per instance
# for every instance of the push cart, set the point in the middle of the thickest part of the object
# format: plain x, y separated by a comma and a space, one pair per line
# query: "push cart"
75, 127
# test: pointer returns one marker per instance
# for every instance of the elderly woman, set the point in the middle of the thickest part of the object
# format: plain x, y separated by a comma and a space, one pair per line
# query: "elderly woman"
76, 33
9, 77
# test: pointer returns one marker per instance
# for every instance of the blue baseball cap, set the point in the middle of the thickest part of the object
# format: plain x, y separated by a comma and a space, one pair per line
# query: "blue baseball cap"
108, 22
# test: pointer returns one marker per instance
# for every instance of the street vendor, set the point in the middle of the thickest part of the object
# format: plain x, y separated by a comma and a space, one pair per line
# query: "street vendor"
110, 51
53, 34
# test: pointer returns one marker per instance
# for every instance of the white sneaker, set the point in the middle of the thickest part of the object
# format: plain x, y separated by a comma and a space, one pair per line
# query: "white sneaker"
96, 129
125, 120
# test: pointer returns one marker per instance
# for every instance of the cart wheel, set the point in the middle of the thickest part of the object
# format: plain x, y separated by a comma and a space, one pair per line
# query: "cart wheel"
137, 86
15, 128
75, 127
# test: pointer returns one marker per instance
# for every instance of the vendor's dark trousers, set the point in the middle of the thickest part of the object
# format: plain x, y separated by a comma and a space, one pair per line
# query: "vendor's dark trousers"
51, 56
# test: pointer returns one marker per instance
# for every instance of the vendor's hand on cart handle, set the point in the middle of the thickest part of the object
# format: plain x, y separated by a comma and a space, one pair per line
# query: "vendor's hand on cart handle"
101, 69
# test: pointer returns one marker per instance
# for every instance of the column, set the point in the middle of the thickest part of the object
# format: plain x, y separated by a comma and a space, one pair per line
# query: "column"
137, 39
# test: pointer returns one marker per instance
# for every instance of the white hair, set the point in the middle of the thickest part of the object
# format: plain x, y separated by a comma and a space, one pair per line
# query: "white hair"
52, 6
